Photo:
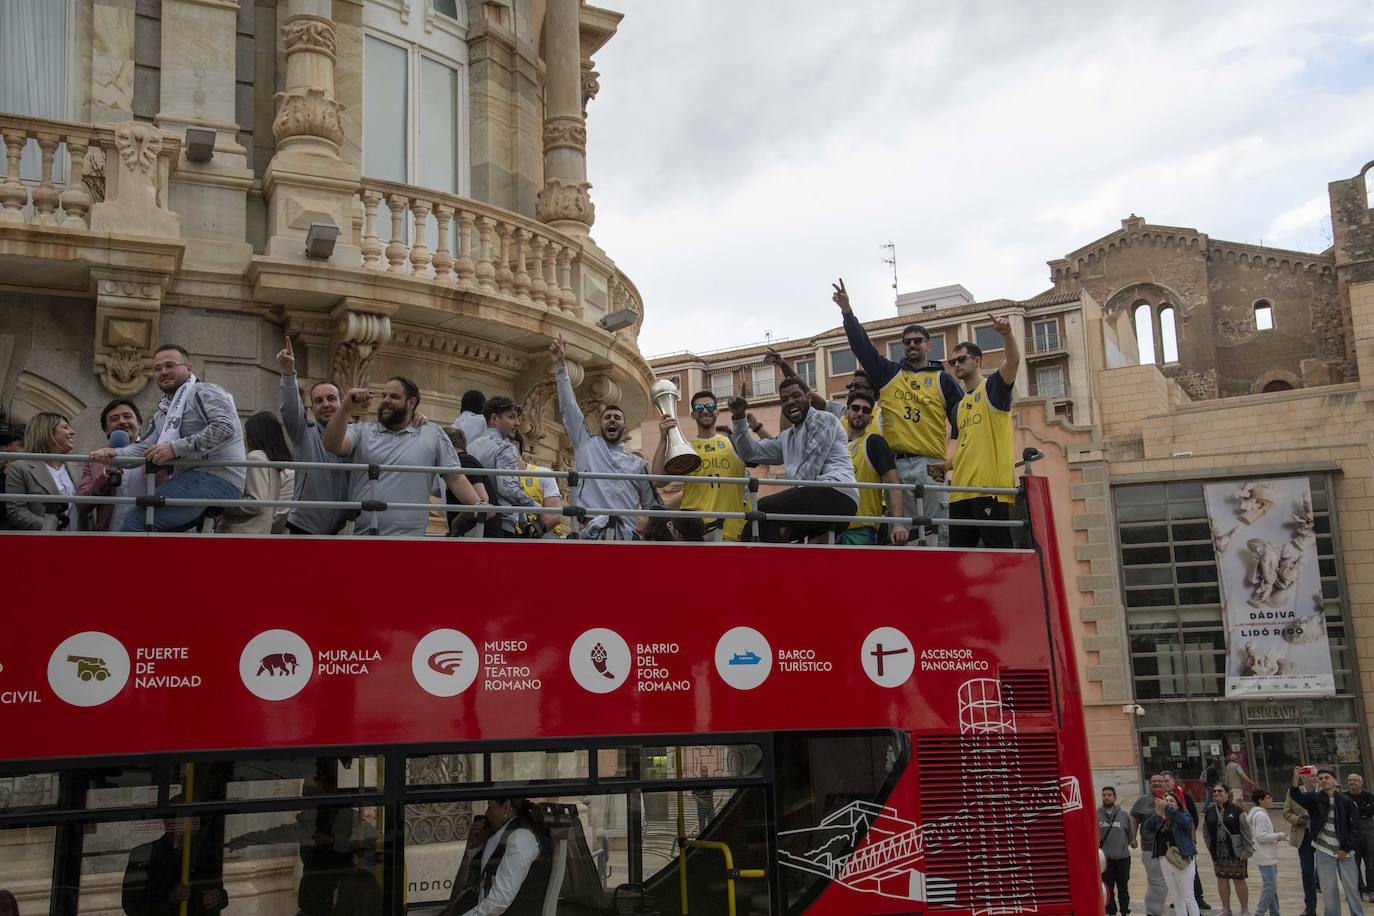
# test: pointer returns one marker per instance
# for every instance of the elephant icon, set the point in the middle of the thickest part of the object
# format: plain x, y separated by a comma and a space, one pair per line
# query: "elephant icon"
285, 662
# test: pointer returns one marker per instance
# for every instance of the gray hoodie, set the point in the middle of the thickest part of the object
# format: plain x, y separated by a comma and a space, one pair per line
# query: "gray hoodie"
1115, 830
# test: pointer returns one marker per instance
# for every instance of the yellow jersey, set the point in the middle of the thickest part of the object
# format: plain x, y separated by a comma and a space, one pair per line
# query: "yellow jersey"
914, 416
718, 459
534, 489
984, 454
870, 501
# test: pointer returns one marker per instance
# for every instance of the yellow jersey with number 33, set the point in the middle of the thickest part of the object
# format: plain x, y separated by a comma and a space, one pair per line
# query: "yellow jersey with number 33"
984, 454
914, 418
718, 459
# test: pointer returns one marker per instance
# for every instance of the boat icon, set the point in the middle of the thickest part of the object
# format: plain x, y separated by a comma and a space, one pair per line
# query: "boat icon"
745, 658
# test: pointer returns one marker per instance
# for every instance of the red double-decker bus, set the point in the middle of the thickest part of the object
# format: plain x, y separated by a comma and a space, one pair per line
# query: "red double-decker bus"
270, 726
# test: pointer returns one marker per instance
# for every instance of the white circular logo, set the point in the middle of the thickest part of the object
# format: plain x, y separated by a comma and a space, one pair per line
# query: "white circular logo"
887, 657
445, 663
744, 658
275, 664
88, 669
600, 660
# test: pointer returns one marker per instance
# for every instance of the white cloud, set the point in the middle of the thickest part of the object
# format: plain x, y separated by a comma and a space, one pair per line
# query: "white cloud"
743, 155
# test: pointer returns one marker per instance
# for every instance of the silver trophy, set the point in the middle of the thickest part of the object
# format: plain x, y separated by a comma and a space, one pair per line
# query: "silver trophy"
681, 457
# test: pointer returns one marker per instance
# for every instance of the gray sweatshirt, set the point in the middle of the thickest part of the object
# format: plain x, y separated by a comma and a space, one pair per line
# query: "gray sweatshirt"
787, 450
1115, 830
497, 452
307, 444
596, 455
210, 431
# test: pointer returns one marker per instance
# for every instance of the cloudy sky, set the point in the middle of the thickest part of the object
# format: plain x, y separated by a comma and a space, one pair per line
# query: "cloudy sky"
744, 153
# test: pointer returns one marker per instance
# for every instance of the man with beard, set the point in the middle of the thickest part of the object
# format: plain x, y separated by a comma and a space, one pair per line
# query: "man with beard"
307, 444
99, 480
872, 460
813, 448
392, 439
919, 401
718, 459
194, 419
602, 454
983, 456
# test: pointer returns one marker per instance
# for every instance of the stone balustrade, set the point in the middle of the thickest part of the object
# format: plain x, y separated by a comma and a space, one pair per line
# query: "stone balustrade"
133, 161
478, 247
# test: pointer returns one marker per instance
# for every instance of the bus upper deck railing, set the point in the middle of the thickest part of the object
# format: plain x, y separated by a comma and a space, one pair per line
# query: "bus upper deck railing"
577, 514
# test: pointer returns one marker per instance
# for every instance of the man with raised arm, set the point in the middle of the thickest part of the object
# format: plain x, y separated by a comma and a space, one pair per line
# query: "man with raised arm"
601, 454
394, 439
812, 448
307, 444
194, 420
918, 400
718, 459
983, 457
495, 449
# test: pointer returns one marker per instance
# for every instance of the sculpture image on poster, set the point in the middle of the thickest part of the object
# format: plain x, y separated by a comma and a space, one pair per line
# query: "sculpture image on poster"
1264, 537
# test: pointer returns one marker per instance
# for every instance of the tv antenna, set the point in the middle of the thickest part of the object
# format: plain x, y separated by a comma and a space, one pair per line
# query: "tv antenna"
891, 261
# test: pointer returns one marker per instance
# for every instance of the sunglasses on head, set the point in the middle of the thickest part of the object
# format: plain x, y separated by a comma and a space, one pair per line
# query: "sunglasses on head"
959, 360
703, 408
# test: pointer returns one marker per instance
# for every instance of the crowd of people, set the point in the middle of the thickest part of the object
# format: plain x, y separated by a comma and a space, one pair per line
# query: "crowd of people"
1333, 832
894, 427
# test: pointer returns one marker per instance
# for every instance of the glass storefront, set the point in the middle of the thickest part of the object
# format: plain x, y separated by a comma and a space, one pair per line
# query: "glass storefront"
1178, 650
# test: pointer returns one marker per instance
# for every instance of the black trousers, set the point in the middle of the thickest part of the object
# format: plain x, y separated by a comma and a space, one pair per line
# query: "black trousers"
980, 507
801, 501
1117, 877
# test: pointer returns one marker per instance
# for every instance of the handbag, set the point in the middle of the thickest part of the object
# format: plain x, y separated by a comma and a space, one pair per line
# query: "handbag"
1176, 858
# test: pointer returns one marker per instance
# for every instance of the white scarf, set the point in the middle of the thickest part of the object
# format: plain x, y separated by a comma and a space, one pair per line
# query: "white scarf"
172, 408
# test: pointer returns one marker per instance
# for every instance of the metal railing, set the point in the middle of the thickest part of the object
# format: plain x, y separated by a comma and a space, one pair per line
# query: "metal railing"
577, 514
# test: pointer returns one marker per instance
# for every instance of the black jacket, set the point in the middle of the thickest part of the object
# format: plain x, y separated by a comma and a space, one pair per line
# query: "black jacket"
1319, 805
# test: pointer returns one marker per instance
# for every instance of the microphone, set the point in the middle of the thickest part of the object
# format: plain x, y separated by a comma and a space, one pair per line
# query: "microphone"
118, 439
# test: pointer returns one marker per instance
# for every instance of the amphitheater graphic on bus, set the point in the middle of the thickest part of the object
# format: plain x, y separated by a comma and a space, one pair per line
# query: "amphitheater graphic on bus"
871, 848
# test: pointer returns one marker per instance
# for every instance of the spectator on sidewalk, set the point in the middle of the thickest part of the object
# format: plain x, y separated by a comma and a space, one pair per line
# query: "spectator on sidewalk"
1266, 858
1115, 837
1155, 889
1300, 838
1230, 844
1335, 830
1364, 801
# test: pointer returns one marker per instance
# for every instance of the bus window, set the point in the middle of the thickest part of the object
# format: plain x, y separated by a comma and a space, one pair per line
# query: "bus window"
285, 777
519, 767
90, 788
698, 761
819, 776
444, 769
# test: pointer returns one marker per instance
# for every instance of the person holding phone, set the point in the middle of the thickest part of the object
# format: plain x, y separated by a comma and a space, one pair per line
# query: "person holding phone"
1335, 831
1172, 828
1156, 891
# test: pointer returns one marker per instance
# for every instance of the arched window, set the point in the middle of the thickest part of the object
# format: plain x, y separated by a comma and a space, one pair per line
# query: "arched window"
1264, 316
1168, 334
1278, 384
1145, 333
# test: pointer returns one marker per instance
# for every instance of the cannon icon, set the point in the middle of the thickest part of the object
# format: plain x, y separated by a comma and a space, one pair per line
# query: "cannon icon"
88, 666
285, 662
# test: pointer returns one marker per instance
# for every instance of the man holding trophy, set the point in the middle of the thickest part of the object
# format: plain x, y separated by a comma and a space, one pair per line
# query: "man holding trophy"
716, 457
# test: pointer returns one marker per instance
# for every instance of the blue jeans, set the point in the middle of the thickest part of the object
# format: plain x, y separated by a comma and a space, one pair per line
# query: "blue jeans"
1269, 896
183, 485
1309, 874
1339, 875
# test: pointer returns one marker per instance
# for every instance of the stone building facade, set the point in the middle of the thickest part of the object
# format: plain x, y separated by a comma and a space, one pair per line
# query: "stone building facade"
165, 187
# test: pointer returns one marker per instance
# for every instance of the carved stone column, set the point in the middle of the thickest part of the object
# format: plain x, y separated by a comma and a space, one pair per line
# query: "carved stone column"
127, 315
308, 181
358, 333
564, 201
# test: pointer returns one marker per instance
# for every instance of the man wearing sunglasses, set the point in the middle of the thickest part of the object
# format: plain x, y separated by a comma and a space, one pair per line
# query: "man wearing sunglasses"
983, 457
919, 401
718, 459
872, 464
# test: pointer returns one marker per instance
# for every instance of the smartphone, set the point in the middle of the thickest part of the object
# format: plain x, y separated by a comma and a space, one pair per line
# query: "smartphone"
1307, 770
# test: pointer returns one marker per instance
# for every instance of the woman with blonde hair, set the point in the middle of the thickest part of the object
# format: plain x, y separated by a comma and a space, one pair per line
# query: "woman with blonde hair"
50, 433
